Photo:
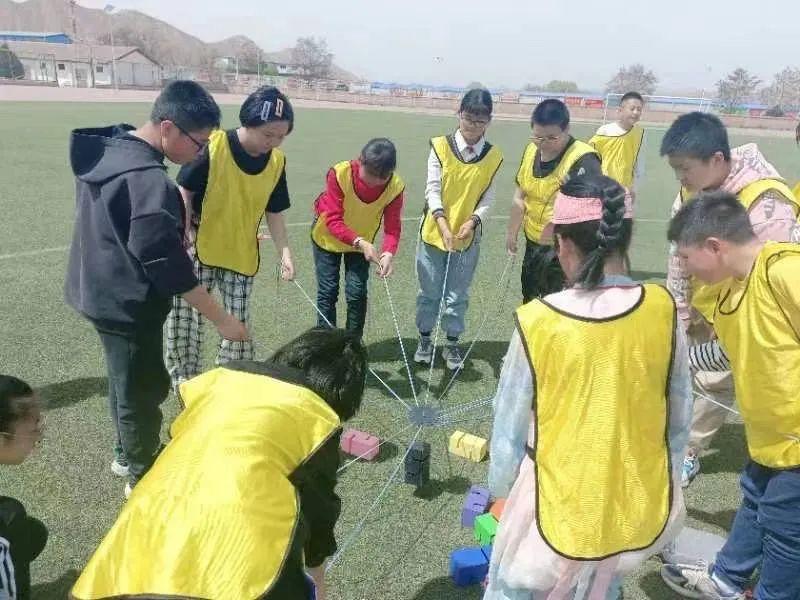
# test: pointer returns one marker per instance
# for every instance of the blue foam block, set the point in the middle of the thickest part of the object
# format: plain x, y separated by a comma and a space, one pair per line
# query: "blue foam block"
468, 566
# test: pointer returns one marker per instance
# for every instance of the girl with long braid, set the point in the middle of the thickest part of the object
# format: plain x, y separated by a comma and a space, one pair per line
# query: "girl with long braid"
591, 415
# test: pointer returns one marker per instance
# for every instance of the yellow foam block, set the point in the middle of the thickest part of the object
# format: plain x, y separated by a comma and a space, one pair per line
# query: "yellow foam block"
468, 446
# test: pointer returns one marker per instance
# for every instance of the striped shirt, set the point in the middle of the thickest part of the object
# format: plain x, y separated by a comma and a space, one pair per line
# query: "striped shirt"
8, 586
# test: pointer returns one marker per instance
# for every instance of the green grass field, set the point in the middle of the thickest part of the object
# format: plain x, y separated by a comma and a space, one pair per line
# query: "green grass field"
402, 550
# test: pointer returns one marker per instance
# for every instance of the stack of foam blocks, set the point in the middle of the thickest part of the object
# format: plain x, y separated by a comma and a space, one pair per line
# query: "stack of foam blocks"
471, 565
418, 464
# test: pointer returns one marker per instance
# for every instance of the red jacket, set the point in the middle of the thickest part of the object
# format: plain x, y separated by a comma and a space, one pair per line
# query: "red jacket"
331, 202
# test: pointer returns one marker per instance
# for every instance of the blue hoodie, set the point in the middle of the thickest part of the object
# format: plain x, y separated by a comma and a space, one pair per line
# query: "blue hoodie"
128, 257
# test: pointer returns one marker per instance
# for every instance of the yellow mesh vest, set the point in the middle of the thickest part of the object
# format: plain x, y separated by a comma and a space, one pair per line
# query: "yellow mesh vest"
601, 416
619, 154
216, 515
364, 218
704, 296
463, 185
764, 352
540, 192
233, 207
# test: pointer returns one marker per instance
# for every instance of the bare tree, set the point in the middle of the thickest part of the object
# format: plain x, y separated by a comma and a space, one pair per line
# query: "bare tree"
737, 87
312, 57
633, 79
784, 91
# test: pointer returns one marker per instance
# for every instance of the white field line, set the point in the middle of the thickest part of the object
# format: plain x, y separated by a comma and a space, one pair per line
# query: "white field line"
39, 252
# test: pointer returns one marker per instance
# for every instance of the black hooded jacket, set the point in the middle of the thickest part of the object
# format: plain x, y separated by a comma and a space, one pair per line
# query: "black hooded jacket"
128, 257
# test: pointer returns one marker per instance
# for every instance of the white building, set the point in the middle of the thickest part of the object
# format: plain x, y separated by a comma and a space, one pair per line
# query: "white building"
83, 65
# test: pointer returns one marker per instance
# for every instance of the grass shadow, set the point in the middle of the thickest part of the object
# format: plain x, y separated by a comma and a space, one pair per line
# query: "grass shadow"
443, 588
388, 350
74, 391
435, 488
655, 588
722, 518
55, 589
730, 451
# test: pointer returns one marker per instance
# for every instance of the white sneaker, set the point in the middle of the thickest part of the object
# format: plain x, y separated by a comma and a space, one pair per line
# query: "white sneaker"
694, 581
120, 468
451, 353
128, 490
691, 467
424, 353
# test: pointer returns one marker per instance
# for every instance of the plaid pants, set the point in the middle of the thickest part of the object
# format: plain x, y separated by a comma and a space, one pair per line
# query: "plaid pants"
185, 324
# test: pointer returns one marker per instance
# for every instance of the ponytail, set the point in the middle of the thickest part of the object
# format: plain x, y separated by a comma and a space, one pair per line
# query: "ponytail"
598, 240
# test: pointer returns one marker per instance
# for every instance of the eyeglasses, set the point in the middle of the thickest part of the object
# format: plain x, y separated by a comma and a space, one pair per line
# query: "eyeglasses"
200, 147
475, 122
547, 138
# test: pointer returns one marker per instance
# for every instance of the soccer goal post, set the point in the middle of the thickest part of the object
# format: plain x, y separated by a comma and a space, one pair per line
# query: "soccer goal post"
677, 104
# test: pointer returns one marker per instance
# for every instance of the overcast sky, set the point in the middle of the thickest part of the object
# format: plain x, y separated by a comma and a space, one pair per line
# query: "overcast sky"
688, 43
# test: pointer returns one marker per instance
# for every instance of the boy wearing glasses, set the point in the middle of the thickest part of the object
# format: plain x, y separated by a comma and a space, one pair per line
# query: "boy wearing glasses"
552, 157
237, 180
459, 193
128, 258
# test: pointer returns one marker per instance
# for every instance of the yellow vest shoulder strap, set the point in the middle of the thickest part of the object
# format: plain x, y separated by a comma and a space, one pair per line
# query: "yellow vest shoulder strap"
753, 191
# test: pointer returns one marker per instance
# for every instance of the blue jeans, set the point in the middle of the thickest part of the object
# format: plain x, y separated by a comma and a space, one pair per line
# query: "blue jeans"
356, 276
431, 263
765, 535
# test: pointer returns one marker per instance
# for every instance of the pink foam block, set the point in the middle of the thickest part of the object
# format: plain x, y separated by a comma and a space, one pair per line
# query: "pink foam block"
358, 443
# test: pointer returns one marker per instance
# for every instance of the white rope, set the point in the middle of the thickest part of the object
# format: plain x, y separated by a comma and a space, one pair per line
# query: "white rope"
438, 323
357, 529
465, 420
464, 408
501, 301
400, 339
790, 436
371, 370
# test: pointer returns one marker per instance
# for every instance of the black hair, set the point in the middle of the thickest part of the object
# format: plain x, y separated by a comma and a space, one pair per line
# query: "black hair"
334, 362
478, 102
266, 105
597, 240
631, 96
188, 105
697, 135
379, 157
551, 112
11, 391
711, 214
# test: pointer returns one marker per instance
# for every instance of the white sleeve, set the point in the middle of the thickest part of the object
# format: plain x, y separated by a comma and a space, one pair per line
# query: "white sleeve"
512, 419
681, 400
485, 204
433, 189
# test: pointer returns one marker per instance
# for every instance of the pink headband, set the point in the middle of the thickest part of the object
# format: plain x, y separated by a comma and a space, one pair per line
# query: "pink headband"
569, 209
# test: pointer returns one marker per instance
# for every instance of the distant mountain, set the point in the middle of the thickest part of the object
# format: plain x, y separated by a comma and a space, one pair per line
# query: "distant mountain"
161, 41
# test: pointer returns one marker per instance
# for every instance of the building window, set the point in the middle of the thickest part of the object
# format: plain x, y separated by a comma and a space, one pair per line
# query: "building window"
43, 66
99, 68
61, 67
